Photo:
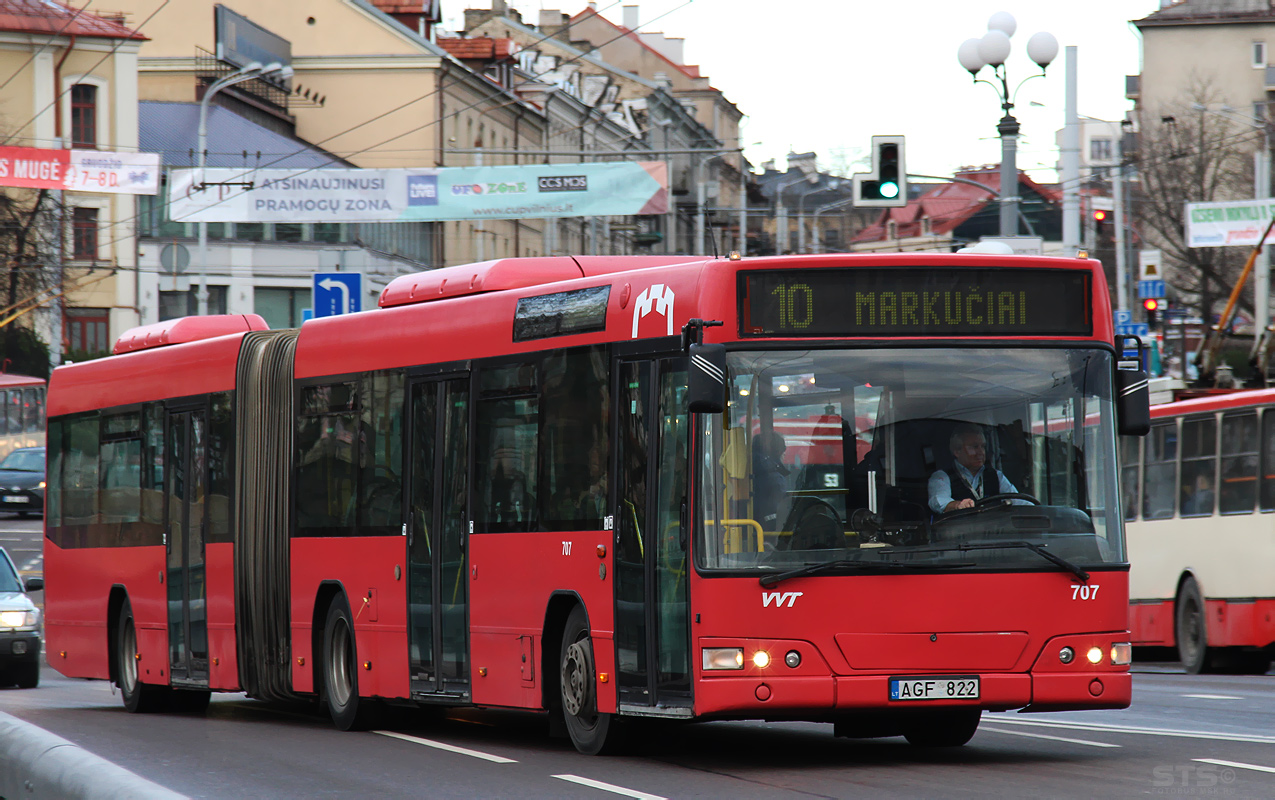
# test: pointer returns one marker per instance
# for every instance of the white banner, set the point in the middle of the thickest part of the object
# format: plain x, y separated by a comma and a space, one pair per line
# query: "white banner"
1235, 224
618, 188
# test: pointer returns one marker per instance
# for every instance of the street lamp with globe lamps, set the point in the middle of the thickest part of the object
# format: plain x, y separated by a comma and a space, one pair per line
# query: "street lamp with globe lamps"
992, 49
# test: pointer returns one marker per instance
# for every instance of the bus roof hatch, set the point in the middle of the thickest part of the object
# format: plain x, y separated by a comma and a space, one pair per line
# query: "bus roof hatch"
187, 329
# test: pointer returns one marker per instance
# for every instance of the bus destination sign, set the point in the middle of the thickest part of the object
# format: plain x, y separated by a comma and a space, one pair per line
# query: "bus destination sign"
916, 301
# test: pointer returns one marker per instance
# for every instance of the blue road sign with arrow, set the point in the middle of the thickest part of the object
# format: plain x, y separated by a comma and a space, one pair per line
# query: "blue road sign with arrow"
337, 293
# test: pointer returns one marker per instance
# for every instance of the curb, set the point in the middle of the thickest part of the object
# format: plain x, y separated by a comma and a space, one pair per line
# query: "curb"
38, 765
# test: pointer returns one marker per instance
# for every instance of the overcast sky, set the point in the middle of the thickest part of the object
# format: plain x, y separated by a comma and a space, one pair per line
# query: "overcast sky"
825, 75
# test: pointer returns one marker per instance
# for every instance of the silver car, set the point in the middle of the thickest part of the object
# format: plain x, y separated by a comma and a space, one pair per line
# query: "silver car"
19, 627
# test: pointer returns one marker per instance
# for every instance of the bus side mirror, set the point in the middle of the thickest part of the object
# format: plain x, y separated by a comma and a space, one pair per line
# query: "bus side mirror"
1133, 402
1133, 393
706, 379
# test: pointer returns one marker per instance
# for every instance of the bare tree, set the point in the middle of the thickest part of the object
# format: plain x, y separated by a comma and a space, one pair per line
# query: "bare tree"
1185, 155
31, 249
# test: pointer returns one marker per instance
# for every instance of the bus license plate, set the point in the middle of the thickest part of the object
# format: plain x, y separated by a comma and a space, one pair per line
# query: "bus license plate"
15, 498
963, 687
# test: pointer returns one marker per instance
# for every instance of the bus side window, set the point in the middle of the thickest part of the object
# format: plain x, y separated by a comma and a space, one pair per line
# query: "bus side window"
1238, 490
1199, 461
1267, 493
1130, 455
1159, 471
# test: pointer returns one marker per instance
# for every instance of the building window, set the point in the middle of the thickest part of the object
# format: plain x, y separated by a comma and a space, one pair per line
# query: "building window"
891, 230
1259, 55
926, 229
1099, 149
84, 234
87, 331
173, 305
83, 115
281, 308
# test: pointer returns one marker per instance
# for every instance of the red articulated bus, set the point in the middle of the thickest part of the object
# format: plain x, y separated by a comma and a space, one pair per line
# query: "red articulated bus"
1198, 495
611, 487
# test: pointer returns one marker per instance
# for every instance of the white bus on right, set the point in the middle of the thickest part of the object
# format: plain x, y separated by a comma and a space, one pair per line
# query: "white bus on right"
1199, 506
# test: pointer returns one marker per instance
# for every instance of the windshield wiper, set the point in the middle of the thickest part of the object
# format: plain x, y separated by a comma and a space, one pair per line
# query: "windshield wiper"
1032, 546
813, 569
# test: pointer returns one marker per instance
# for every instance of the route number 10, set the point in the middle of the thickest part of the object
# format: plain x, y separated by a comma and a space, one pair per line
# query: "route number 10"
796, 305
1084, 592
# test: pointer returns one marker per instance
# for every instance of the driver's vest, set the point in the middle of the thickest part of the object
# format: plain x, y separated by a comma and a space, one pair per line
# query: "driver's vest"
989, 484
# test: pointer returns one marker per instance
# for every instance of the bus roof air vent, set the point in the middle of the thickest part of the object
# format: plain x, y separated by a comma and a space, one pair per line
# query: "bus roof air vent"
485, 276
187, 329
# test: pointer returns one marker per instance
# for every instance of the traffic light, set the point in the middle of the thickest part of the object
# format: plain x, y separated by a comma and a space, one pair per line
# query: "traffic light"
1152, 307
1099, 217
887, 184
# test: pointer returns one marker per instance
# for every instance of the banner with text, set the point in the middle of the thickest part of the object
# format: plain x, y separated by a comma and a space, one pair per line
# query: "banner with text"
617, 188
1239, 223
99, 171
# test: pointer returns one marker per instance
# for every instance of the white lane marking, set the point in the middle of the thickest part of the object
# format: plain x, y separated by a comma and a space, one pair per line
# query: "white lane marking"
1213, 696
608, 787
451, 748
1051, 738
1096, 727
1235, 764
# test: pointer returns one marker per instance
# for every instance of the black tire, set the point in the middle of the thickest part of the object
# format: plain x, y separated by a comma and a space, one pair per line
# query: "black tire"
189, 701
340, 671
951, 728
26, 676
139, 698
1191, 629
591, 732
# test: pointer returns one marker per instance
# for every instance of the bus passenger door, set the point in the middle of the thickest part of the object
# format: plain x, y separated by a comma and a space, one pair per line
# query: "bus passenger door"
652, 635
437, 528
185, 489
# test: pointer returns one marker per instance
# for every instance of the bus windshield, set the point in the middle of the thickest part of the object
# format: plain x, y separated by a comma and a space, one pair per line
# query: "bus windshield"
917, 456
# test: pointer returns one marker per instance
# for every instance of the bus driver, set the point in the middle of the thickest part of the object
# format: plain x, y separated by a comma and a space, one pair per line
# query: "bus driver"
971, 478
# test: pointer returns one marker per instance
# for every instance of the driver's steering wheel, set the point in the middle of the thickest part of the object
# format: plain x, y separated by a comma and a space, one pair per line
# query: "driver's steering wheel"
989, 499
986, 503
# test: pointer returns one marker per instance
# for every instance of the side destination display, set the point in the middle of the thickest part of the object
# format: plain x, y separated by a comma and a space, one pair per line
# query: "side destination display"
919, 301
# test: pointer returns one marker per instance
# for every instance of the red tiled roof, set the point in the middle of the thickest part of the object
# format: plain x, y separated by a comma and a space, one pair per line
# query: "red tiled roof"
948, 206
399, 6
691, 71
46, 16
482, 47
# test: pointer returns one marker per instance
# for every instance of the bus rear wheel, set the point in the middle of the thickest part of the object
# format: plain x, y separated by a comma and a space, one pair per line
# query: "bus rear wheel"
139, 698
340, 671
1191, 628
591, 731
951, 728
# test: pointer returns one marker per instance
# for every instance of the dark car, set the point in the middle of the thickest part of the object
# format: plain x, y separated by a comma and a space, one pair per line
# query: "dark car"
22, 481
19, 627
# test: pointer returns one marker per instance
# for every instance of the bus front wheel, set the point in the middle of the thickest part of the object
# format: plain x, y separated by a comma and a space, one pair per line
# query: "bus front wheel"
942, 728
139, 698
591, 731
340, 671
1191, 628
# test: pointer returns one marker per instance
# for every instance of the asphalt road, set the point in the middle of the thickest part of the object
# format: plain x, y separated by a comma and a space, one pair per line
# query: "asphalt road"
1185, 736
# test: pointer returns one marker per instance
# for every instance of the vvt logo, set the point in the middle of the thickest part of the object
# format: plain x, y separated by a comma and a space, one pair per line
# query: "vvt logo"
780, 599
422, 190
658, 298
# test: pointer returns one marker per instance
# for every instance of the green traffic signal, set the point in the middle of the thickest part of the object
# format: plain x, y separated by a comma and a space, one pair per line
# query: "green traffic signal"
888, 189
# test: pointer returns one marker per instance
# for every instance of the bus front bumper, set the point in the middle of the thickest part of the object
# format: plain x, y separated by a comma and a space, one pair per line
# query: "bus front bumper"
810, 697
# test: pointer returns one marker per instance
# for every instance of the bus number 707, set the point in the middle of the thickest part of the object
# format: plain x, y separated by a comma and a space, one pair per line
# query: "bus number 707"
1084, 592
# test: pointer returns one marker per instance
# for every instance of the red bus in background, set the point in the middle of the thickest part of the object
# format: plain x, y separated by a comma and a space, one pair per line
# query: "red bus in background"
525, 484
21, 412
1198, 494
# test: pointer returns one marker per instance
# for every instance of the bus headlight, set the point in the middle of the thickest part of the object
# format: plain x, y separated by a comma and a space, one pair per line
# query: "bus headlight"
761, 659
723, 658
1121, 653
1094, 655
